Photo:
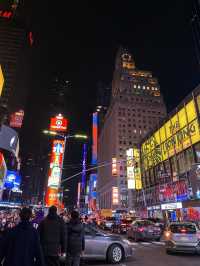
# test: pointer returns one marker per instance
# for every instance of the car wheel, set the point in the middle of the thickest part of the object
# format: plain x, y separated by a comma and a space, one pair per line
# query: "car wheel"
115, 254
169, 252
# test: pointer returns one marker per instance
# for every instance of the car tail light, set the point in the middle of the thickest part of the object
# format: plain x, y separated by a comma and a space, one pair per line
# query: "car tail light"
141, 229
183, 231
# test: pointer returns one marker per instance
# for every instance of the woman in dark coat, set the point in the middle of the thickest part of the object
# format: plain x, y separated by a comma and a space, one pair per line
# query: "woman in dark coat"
20, 246
75, 240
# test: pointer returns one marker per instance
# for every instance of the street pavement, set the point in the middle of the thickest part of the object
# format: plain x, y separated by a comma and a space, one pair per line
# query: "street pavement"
153, 254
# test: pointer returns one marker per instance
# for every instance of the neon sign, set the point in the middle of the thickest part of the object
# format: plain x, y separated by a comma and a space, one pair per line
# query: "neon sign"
58, 123
94, 137
6, 14
114, 166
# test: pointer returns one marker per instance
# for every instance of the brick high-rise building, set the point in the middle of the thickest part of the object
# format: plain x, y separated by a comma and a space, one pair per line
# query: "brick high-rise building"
136, 107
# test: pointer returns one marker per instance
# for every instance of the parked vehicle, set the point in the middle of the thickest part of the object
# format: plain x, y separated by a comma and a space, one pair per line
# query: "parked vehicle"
122, 227
158, 222
182, 237
144, 230
107, 223
101, 246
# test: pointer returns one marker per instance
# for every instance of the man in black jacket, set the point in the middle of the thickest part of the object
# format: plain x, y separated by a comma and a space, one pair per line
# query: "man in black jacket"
52, 237
75, 240
20, 246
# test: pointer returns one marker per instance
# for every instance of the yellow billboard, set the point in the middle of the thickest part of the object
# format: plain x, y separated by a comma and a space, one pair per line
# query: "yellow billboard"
177, 134
1, 80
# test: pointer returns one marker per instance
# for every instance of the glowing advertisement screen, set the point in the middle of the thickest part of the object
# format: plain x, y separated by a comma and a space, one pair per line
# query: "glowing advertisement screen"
94, 137
12, 180
59, 123
115, 195
177, 134
56, 163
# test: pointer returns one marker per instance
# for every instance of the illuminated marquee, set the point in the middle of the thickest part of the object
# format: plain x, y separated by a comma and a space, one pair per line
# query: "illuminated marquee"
1, 80
58, 123
177, 134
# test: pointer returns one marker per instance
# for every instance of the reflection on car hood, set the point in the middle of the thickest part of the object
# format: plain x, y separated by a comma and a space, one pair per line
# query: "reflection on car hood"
111, 237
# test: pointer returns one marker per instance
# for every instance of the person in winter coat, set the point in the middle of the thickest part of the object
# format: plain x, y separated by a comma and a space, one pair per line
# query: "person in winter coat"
75, 240
20, 245
52, 237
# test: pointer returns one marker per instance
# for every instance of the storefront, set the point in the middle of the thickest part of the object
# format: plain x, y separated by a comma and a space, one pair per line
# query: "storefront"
172, 211
155, 212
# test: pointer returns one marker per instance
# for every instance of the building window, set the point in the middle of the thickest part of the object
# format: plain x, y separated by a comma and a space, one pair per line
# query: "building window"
189, 158
181, 162
197, 151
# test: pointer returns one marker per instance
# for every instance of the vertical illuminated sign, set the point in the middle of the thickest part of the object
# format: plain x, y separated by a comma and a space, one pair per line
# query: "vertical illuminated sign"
55, 171
137, 169
94, 137
115, 195
84, 167
1, 80
130, 169
78, 195
133, 169
3, 171
114, 166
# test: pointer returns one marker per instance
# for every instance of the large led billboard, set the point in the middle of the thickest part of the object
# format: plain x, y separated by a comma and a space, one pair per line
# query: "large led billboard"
1, 80
58, 123
94, 137
12, 180
134, 177
177, 134
56, 163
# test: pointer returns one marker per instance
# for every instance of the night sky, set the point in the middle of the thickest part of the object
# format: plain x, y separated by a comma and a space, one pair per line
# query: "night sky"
79, 42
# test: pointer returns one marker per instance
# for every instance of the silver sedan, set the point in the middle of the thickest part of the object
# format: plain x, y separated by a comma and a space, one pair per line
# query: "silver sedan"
101, 246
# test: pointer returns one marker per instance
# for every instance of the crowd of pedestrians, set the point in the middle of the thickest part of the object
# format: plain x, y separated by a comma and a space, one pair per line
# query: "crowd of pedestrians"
56, 236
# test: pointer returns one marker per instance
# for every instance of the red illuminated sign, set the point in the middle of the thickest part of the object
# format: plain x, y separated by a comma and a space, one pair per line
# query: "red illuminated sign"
59, 123
52, 196
16, 119
6, 14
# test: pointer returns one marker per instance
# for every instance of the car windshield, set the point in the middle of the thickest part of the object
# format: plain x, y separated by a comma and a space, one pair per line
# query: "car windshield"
145, 223
183, 228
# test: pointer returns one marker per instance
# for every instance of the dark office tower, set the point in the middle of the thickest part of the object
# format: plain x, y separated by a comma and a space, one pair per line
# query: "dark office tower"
103, 102
14, 49
58, 95
195, 25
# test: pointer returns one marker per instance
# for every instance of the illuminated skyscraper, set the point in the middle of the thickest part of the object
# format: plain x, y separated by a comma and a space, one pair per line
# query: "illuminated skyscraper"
136, 107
